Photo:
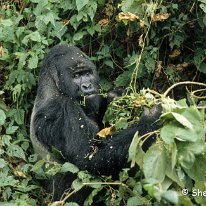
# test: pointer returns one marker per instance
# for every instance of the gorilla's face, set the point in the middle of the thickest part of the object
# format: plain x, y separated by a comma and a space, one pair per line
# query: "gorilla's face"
85, 79
77, 76
78, 79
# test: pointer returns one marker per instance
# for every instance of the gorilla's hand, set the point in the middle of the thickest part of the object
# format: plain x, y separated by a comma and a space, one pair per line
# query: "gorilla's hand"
114, 93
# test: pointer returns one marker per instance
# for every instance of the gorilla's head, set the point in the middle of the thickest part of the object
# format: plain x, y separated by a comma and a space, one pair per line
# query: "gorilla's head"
73, 75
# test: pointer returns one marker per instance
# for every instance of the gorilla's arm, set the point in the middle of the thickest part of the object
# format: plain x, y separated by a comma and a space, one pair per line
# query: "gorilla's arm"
61, 123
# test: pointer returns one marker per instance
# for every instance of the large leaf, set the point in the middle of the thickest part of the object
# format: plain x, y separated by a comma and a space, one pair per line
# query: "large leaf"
136, 154
192, 128
182, 120
81, 3
16, 151
2, 117
68, 167
197, 171
135, 201
155, 163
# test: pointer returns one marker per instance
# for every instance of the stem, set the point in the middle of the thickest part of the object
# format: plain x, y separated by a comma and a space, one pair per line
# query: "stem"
135, 73
182, 83
198, 97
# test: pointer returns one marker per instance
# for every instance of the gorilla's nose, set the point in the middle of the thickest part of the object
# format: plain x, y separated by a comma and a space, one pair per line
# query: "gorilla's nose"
87, 88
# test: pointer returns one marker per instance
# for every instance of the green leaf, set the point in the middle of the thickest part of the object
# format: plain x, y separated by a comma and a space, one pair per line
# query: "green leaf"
3, 163
77, 185
167, 133
155, 163
171, 196
172, 174
182, 120
135, 201
19, 116
153, 191
173, 130
59, 30
38, 165
124, 78
132, 148
78, 36
92, 9
3, 106
50, 18
109, 63
91, 196
105, 84
185, 201
16, 151
202, 67
136, 153
204, 20
7, 180
199, 186
11, 129
33, 62
71, 204
6, 22
40, 8
35, 36
81, 3
91, 30
68, 167
35, 1
2, 117
6, 140
20, 31
33, 158
54, 169
121, 123
197, 171
203, 5
25, 146
7, 204
186, 156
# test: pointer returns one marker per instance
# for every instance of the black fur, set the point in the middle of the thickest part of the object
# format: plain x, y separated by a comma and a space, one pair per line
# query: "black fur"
60, 121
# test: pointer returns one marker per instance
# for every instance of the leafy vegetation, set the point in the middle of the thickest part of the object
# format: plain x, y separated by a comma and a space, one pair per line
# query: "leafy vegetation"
136, 44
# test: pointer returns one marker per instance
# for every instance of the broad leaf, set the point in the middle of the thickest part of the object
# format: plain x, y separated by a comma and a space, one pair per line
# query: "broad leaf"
155, 163
81, 3
182, 120
68, 167
2, 117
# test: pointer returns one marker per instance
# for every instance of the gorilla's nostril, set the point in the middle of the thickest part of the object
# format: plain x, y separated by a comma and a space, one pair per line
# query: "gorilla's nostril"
87, 86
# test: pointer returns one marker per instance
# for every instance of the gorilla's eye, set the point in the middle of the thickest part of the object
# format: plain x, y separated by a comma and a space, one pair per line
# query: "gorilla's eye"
89, 72
82, 73
76, 75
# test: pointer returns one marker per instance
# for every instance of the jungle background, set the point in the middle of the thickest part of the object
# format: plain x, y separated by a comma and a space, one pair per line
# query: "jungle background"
136, 44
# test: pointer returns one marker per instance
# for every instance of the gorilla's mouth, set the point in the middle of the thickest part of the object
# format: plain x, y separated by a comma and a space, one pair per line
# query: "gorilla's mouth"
91, 96
87, 97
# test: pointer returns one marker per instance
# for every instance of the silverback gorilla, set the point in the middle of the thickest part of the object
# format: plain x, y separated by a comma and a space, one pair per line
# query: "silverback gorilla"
59, 120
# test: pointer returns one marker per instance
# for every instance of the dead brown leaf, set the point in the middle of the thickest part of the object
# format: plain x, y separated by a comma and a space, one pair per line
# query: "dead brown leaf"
127, 16
158, 70
175, 53
160, 17
1, 51
139, 102
106, 131
19, 174
104, 22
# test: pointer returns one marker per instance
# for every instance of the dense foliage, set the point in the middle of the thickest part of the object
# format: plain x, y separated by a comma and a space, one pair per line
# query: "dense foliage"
136, 44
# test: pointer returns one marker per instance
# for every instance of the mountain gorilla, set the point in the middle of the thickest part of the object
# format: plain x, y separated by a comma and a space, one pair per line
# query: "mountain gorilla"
59, 120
